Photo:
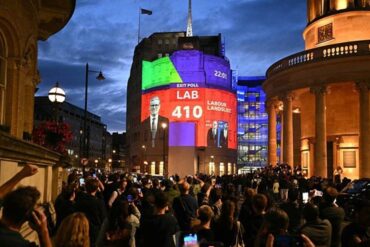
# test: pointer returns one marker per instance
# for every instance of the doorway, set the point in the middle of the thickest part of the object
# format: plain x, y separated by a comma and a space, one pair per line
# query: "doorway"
330, 158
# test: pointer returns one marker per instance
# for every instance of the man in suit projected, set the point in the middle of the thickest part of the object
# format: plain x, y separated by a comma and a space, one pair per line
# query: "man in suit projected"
212, 135
157, 124
224, 136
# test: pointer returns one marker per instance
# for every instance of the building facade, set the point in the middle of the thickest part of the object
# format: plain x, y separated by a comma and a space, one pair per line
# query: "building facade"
119, 151
181, 80
22, 24
252, 123
328, 86
99, 140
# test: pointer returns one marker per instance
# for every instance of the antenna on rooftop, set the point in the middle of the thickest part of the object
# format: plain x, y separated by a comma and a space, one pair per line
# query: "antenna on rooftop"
189, 29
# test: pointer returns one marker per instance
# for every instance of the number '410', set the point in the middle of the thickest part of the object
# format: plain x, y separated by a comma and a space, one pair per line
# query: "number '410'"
187, 111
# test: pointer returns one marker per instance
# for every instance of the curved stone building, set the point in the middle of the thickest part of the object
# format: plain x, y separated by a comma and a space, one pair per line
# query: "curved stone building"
325, 87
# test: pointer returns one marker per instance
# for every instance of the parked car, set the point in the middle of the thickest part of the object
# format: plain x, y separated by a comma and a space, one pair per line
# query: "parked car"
354, 192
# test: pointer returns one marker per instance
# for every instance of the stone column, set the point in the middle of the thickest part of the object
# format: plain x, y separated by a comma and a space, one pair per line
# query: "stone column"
281, 136
364, 141
320, 155
272, 145
288, 130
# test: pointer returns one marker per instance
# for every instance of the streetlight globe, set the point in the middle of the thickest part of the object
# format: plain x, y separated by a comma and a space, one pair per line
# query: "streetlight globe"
164, 125
56, 94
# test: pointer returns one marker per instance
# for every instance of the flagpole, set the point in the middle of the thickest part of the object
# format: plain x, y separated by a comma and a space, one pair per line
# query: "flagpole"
138, 32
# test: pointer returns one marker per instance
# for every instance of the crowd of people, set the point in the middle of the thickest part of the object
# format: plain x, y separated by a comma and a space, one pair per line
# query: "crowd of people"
266, 207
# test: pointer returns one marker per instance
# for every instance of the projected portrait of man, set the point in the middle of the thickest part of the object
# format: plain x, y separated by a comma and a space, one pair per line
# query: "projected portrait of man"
212, 135
224, 136
155, 122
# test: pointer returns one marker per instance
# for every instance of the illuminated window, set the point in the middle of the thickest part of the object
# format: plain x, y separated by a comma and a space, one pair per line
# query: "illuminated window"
211, 168
229, 168
161, 165
222, 169
341, 4
152, 167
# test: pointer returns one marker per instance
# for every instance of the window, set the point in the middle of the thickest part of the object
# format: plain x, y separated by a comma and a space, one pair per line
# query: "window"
152, 167
349, 159
211, 168
229, 168
222, 169
161, 165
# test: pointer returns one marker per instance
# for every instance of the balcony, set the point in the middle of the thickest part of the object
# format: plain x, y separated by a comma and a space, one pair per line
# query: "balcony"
350, 49
341, 62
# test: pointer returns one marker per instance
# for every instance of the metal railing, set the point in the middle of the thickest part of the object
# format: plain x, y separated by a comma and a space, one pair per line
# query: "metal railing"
349, 49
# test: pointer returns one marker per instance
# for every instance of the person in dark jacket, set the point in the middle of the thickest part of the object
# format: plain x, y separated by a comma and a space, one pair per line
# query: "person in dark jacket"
65, 204
93, 207
318, 230
185, 207
329, 210
294, 211
254, 221
227, 227
356, 234
158, 229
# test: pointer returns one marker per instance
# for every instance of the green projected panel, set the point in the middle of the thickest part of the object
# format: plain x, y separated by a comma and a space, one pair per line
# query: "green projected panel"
159, 73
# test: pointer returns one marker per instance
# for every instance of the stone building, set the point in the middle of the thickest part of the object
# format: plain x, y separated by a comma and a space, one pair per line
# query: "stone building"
22, 24
327, 85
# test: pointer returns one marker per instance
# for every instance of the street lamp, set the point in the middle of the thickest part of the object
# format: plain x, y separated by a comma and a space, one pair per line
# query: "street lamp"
164, 126
57, 96
100, 77
144, 158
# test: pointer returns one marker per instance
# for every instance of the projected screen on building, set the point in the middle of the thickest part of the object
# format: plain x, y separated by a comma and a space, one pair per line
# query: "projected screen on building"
188, 66
190, 92
212, 111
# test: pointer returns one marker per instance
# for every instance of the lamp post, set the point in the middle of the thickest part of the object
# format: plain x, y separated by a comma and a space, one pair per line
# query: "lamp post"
164, 126
86, 141
57, 96
144, 158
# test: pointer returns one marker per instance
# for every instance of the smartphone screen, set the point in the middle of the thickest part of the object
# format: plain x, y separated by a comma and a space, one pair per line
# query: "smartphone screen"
305, 197
190, 240
129, 198
288, 241
82, 181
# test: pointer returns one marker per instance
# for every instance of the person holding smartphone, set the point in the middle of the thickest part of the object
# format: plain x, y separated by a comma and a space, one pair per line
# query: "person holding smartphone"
274, 231
19, 206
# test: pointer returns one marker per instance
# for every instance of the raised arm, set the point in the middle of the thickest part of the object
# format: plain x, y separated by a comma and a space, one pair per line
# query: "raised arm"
27, 171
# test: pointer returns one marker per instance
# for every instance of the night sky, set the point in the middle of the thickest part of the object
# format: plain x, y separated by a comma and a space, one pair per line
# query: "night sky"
103, 33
